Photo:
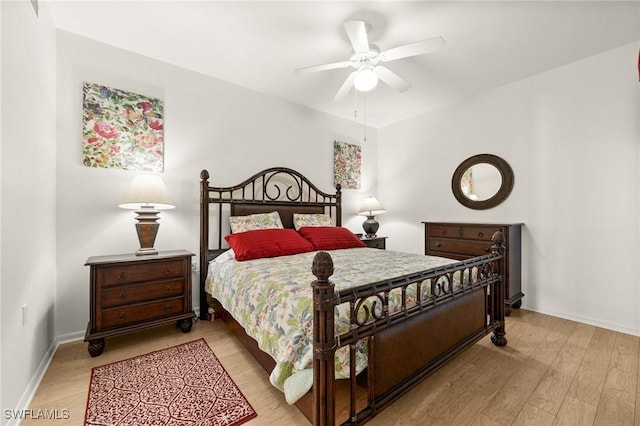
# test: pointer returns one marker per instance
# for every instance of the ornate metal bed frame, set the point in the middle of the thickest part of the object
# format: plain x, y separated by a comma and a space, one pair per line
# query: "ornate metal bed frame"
432, 330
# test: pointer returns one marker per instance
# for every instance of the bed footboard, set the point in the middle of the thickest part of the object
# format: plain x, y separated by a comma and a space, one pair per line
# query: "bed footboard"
406, 345
401, 353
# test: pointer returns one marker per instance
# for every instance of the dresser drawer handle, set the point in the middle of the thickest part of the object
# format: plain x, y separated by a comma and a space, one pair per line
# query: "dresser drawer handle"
167, 308
168, 271
487, 249
438, 244
122, 315
443, 232
122, 275
167, 288
480, 234
122, 295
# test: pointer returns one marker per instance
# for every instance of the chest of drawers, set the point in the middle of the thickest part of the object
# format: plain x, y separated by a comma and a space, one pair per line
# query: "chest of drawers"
464, 240
129, 293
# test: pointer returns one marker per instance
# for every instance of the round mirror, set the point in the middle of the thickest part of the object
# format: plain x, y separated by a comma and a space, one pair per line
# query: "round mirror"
482, 181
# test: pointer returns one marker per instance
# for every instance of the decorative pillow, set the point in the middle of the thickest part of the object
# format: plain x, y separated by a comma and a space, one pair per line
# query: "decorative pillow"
330, 237
255, 221
267, 243
300, 220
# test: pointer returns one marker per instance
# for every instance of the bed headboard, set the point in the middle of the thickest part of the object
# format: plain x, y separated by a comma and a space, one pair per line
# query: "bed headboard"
275, 189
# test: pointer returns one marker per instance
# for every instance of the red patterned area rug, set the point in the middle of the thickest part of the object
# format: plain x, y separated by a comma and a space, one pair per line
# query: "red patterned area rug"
181, 385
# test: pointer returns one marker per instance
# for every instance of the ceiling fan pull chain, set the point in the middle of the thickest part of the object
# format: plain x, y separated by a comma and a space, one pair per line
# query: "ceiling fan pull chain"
364, 98
355, 105
355, 110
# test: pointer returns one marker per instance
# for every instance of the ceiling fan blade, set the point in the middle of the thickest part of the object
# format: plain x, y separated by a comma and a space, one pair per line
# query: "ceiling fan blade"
392, 79
413, 49
323, 67
357, 32
346, 87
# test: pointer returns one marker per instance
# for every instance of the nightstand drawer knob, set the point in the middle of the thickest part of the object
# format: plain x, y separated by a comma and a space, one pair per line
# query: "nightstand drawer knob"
438, 244
487, 249
122, 275
122, 295
480, 234
443, 232
168, 271
122, 315
167, 289
167, 308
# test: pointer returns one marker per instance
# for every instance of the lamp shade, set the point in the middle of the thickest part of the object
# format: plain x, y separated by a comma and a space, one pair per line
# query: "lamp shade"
371, 207
366, 79
146, 190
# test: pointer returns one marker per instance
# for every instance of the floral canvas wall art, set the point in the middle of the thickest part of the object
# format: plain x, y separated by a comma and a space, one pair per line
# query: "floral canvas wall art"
347, 163
122, 130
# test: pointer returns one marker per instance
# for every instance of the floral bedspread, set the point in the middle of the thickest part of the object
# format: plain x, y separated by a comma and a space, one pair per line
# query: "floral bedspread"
272, 299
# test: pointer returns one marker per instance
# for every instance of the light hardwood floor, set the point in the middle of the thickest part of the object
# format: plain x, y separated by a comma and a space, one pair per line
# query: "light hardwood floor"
552, 372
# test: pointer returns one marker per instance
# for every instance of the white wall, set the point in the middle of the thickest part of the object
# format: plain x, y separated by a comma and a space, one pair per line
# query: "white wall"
571, 136
209, 124
27, 178
1, 118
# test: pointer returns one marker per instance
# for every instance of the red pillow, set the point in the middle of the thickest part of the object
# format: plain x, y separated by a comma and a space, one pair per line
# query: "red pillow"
267, 243
330, 237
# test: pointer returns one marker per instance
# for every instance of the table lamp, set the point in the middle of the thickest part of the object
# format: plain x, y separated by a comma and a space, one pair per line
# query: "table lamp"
370, 208
146, 195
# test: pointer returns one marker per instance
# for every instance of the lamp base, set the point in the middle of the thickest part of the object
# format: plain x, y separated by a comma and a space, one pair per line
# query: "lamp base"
146, 251
370, 227
147, 229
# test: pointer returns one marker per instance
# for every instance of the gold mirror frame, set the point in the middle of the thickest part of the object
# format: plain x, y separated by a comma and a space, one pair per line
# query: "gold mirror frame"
506, 174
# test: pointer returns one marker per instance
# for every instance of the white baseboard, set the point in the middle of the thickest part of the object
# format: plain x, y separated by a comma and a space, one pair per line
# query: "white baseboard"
32, 387
584, 320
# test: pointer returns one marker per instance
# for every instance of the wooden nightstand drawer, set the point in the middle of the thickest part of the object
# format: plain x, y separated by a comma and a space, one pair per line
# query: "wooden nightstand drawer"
134, 293
376, 242
141, 312
148, 271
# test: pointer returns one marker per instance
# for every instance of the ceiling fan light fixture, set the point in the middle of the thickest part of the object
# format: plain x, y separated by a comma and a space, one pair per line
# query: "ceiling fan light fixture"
365, 79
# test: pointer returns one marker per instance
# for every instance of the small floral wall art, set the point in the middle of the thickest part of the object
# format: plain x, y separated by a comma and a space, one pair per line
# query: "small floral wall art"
122, 130
347, 164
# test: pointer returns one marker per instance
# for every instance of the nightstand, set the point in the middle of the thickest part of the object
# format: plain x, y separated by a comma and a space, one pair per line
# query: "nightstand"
375, 242
130, 293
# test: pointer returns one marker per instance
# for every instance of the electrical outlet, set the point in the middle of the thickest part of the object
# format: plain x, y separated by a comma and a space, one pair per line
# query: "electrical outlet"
194, 265
24, 314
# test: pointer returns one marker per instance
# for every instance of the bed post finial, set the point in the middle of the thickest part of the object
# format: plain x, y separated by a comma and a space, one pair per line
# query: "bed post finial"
204, 175
497, 301
324, 342
322, 267
498, 241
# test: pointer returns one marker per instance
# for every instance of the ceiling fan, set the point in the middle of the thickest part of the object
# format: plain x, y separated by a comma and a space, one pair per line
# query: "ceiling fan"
367, 59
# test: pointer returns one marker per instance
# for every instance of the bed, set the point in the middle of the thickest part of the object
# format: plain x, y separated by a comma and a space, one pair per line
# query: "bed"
325, 316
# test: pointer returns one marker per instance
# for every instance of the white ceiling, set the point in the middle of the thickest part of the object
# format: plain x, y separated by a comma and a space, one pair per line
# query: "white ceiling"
258, 44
